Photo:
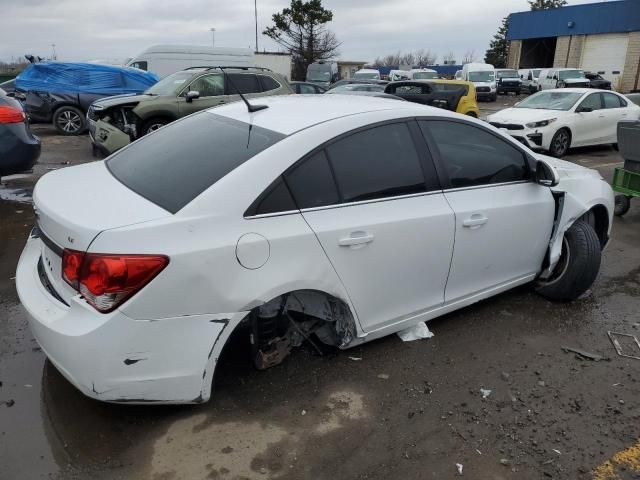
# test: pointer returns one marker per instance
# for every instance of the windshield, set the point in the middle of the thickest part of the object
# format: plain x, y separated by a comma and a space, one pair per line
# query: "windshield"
424, 75
318, 75
507, 74
172, 84
366, 75
357, 87
485, 76
564, 74
550, 100
207, 146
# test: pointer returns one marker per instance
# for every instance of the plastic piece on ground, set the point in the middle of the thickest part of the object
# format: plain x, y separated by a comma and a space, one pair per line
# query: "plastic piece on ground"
416, 332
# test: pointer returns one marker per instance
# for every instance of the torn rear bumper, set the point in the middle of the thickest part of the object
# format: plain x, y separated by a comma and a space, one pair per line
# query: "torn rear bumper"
114, 358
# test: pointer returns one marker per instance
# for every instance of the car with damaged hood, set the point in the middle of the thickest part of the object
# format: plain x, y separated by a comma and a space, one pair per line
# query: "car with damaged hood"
117, 121
291, 224
556, 120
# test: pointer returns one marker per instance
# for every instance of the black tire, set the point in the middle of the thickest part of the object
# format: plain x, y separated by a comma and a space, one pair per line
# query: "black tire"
154, 124
69, 120
560, 143
623, 204
578, 266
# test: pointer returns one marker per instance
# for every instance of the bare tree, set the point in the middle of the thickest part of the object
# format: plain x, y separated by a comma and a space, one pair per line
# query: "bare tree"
449, 57
407, 59
424, 57
469, 57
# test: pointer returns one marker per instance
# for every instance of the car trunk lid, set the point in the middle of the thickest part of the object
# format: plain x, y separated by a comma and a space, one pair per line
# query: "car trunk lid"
73, 205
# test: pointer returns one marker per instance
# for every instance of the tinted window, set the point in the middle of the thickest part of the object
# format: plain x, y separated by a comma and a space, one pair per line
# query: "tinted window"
473, 156
377, 163
275, 199
209, 85
244, 82
306, 89
142, 65
311, 182
592, 101
268, 83
611, 100
173, 167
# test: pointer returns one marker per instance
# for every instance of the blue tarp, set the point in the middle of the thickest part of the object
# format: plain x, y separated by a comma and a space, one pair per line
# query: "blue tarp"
84, 78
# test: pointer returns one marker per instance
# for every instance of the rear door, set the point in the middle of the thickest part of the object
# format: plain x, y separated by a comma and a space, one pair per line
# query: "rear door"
503, 219
614, 110
376, 207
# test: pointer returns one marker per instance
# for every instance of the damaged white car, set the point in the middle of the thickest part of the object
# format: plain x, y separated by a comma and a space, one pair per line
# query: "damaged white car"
332, 219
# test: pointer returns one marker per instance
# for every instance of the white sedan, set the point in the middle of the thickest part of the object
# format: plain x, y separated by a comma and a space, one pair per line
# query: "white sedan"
555, 120
292, 220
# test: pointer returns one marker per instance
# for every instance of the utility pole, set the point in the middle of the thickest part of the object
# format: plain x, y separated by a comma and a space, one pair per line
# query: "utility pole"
255, 8
213, 36
53, 55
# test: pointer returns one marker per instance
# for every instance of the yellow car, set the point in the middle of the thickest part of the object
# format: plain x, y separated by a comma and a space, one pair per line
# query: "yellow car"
467, 104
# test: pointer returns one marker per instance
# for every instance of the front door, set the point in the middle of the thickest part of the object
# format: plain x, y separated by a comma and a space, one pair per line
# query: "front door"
589, 126
503, 219
212, 93
376, 207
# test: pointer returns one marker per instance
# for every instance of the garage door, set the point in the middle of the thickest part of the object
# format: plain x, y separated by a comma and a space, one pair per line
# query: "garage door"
606, 55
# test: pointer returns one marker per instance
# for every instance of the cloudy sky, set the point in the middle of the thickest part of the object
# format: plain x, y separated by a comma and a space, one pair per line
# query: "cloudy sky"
118, 29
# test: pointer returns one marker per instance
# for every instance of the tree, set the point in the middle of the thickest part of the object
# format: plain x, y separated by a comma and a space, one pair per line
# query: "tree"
546, 4
301, 30
449, 58
499, 47
425, 57
469, 57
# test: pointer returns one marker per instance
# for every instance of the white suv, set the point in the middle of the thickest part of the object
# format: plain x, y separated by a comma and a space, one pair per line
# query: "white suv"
563, 78
291, 219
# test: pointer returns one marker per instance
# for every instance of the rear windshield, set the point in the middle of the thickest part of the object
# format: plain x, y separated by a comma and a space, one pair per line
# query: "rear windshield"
172, 167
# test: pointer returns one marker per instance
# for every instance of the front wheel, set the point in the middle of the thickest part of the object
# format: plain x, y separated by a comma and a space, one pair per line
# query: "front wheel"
577, 267
560, 143
69, 121
154, 124
622, 206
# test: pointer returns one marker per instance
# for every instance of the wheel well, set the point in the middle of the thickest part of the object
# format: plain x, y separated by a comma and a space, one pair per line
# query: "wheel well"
598, 218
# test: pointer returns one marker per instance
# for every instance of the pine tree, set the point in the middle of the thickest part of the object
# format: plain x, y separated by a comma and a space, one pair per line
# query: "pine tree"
546, 4
498, 50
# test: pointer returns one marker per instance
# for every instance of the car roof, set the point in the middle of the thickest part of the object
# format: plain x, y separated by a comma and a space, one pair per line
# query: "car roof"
288, 114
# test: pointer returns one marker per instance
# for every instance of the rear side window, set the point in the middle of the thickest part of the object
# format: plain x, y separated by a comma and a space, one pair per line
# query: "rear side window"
612, 101
472, 156
245, 82
275, 199
377, 163
173, 167
311, 182
268, 83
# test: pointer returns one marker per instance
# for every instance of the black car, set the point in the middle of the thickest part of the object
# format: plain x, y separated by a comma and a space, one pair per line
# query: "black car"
306, 88
61, 93
596, 81
19, 148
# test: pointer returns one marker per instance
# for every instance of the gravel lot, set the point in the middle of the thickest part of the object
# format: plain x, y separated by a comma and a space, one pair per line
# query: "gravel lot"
384, 410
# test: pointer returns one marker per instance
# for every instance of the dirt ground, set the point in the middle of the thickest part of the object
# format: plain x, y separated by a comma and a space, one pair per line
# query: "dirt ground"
383, 410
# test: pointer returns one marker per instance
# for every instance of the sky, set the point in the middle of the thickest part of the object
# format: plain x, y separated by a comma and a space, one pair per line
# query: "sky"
111, 30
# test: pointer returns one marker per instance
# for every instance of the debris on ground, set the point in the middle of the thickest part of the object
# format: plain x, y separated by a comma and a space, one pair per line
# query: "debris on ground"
355, 359
383, 376
584, 354
504, 462
416, 332
459, 467
633, 344
485, 392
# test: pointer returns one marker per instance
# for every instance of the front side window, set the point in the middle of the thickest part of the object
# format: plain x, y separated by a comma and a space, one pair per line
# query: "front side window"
170, 169
377, 163
209, 85
245, 82
592, 101
473, 156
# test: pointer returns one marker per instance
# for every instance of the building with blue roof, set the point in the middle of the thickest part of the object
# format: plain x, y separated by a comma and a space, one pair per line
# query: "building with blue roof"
598, 37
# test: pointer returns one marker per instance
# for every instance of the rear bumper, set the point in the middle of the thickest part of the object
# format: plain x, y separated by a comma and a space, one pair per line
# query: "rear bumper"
19, 149
114, 358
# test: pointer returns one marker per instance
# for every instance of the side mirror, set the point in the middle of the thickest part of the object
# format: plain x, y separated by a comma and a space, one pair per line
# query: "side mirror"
192, 95
584, 110
546, 175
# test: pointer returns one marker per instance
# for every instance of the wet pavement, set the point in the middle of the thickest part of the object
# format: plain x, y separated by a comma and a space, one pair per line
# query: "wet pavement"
384, 410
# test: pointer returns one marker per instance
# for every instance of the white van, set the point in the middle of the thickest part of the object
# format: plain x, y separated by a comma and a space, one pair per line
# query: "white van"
164, 60
483, 77
563, 78
422, 74
395, 75
366, 74
529, 78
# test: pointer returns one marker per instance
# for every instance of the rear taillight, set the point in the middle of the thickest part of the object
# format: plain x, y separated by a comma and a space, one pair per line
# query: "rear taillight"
106, 281
11, 114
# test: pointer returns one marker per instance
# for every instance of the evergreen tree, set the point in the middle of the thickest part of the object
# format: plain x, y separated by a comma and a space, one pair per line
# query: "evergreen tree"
499, 47
546, 4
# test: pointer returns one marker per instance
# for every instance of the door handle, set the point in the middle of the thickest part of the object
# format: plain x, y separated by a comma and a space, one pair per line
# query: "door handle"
356, 238
476, 220
601, 116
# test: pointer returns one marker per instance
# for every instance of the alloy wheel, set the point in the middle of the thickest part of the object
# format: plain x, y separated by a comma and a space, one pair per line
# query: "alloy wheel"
69, 121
